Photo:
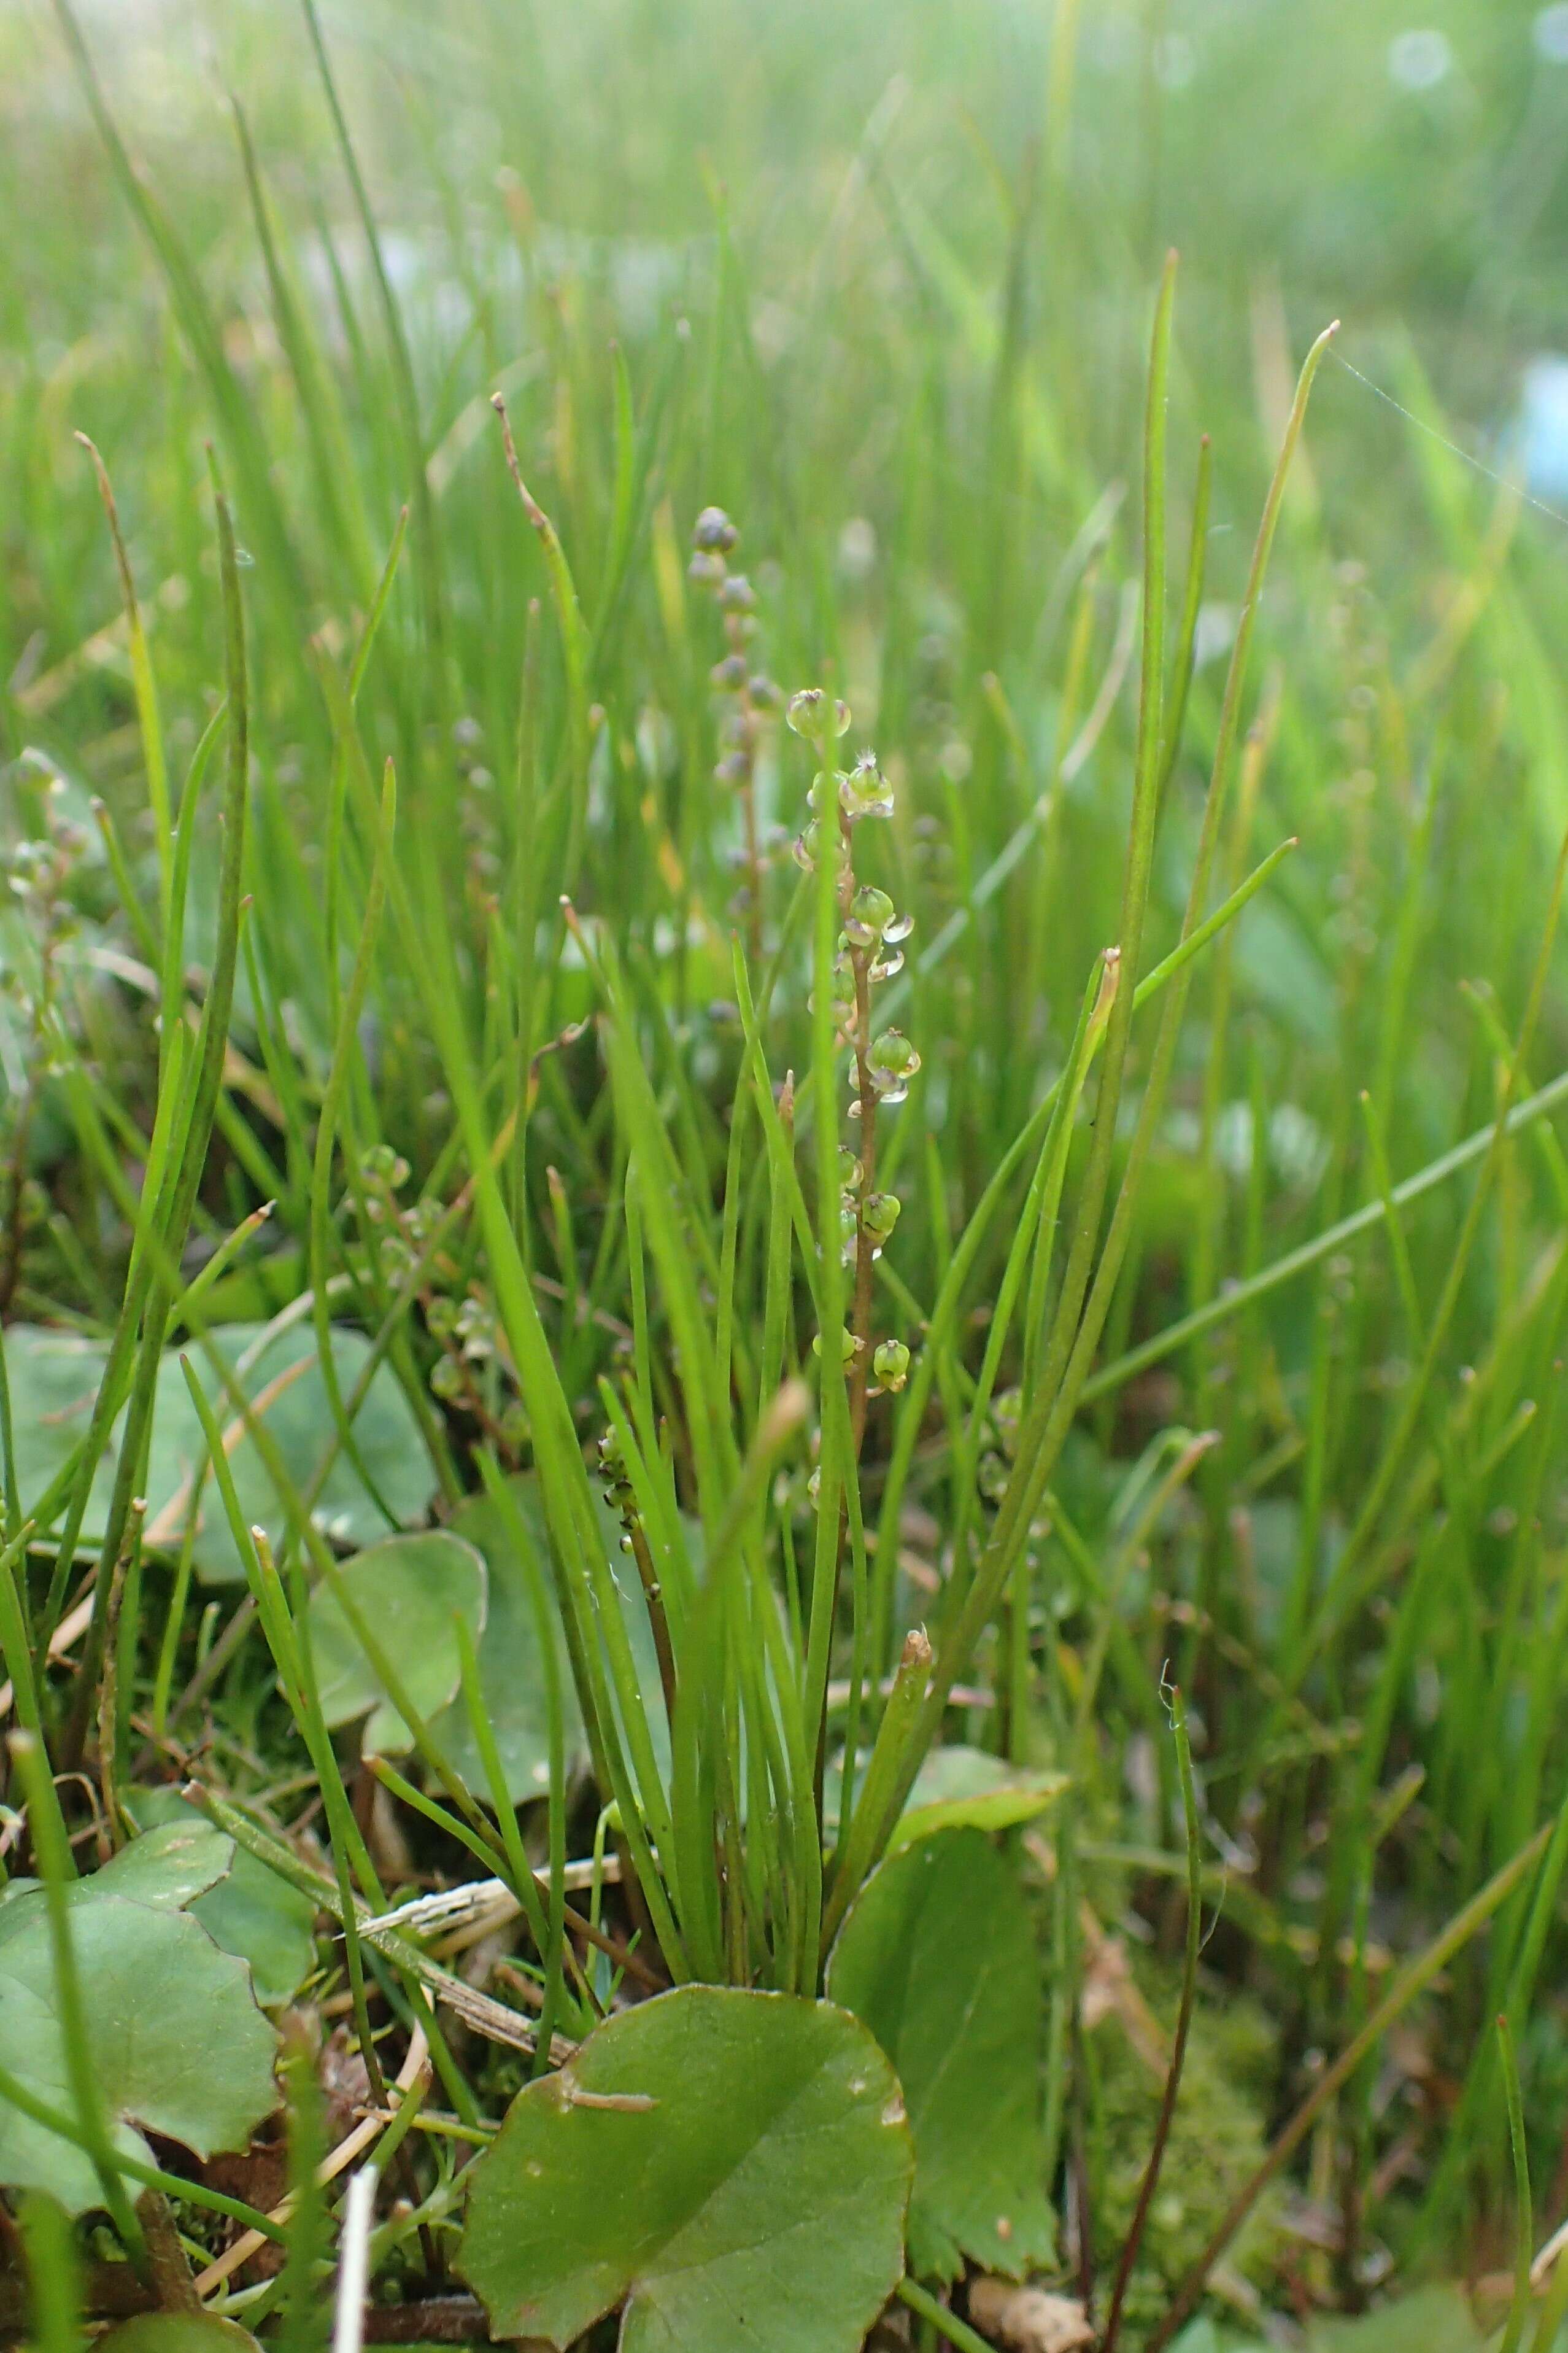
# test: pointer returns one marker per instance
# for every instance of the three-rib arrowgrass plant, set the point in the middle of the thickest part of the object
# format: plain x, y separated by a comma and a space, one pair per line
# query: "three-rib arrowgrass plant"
863, 1319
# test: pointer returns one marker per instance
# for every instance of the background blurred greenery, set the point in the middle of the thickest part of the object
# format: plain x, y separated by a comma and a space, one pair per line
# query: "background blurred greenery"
1403, 171
1377, 161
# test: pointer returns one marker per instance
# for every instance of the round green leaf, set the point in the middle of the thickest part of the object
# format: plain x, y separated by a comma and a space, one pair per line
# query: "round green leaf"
1437, 2318
959, 1789
409, 1591
510, 1670
937, 1956
55, 1379
511, 1674
744, 2187
299, 1418
168, 1870
178, 2045
968, 1788
172, 1865
249, 1911
179, 2332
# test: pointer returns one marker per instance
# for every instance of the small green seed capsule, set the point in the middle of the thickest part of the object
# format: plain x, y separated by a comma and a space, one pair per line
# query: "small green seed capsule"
865, 790
893, 1063
382, 1166
991, 1477
882, 1214
870, 912
809, 844
808, 715
395, 1258
891, 1364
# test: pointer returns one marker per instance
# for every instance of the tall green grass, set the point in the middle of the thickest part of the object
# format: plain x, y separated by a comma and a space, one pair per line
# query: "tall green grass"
1230, 1252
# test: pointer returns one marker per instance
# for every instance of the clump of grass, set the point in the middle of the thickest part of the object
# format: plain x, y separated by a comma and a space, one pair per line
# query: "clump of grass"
1159, 1327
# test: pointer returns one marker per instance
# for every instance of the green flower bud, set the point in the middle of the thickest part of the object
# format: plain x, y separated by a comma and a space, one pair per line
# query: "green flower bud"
870, 912
865, 790
808, 714
382, 1166
991, 1478
714, 530
612, 1461
808, 846
893, 1063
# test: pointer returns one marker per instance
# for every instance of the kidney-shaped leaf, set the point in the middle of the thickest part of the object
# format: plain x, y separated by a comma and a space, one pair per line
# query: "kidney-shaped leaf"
168, 1871
250, 1910
179, 2332
511, 1674
511, 1667
408, 1590
938, 1956
967, 1788
178, 2045
731, 2167
1434, 2319
55, 1377
176, 1862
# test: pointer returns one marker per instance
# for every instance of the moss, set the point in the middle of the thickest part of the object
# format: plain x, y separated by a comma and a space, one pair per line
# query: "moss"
1217, 2139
